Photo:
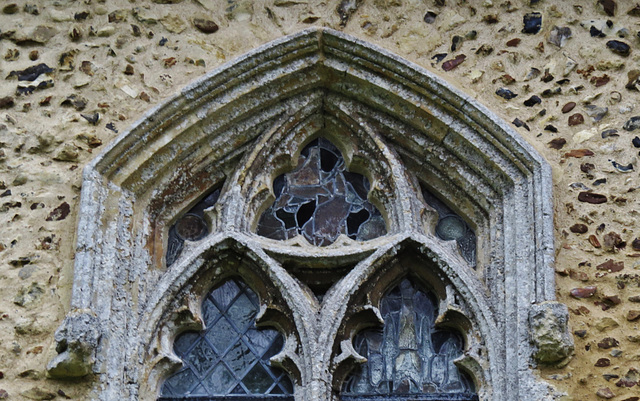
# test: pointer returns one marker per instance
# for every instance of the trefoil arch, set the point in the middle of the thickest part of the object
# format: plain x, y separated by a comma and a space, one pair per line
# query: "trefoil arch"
235, 131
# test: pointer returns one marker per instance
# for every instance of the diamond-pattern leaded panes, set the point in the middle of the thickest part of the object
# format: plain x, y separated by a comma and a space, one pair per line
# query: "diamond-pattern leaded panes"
320, 200
191, 227
450, 226
230, 358
408, 358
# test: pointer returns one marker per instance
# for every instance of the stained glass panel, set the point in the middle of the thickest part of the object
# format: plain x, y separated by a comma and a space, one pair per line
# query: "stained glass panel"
320, 200
191, 227
450, 227
408, 358
230, 358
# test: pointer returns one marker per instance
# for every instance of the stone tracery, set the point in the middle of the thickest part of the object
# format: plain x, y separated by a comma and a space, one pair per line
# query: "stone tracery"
392, 119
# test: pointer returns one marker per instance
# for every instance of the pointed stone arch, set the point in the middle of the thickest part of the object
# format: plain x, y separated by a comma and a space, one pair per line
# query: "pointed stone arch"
394, 121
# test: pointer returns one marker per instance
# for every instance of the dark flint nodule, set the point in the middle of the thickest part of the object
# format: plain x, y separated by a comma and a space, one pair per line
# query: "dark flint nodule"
7, 102
31, 73
608, 342
621, 168
81, 16
609, 7
453, 63
596, 33
532, 101
579, 228
430, 17
551, 92
593, 198
636, 142
532, 23
456, 42
568, 107
551, 128
345, 9
619, 47
557, 143
92, 118
439, 57
609, 132
506, 93
576, 119
205, 25
519, 123
635, 11
632, 124
547, 77
580, 333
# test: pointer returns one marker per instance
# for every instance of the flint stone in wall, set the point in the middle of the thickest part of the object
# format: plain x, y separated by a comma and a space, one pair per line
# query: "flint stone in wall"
550, 332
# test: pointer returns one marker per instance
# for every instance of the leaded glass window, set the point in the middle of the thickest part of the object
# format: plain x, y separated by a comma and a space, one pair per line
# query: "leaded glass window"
320, 200
408, 358
451, 227
230, 358
189, 227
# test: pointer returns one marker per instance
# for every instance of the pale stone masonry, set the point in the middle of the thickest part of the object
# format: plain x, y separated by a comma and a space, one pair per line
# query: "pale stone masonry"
106, 64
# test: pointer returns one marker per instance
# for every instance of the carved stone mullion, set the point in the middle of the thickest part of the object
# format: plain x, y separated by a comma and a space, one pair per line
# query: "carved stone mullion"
345, 294
279, 97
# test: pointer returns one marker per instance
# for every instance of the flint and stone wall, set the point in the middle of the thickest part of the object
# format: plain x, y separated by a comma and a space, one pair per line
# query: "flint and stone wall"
570, 88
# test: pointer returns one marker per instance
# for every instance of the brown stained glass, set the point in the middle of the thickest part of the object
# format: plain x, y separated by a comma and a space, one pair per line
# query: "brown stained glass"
189, 227
320, 200
408, 358
230, 358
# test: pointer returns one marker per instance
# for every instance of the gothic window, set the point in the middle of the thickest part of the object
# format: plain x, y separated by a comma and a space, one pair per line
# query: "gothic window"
408, 358
231, 356
390, 237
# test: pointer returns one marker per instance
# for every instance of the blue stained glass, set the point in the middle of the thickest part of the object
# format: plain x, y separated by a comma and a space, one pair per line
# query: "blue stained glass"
231, 356
451, 227
320, 200
408, 358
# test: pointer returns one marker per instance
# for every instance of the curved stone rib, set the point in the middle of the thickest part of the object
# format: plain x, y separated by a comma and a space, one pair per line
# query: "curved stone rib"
186, 270
124, 191
334, 307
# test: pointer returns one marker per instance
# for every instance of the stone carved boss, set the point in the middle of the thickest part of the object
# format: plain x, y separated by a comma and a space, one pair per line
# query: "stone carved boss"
235, 131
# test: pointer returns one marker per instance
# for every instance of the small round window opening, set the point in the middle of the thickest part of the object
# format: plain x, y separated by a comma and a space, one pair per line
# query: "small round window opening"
320, 200
408, 359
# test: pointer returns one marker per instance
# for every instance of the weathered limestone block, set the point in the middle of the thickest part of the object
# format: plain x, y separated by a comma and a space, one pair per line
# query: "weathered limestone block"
76, 343
550, 332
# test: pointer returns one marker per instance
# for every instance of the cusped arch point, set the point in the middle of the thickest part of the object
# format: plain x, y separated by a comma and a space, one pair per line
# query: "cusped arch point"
243, 124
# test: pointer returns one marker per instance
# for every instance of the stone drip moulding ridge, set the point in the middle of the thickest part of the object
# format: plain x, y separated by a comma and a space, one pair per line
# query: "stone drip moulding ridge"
235, 131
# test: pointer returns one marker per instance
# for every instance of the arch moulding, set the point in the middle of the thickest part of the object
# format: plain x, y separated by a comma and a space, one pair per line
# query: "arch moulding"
243, 124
